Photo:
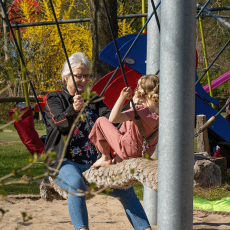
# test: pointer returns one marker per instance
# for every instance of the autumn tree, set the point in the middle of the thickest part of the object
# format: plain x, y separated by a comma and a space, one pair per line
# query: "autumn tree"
44, 44
42, 48
4, 30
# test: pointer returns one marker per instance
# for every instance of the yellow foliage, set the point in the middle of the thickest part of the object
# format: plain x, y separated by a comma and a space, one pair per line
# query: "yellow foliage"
45, 55
45, 44
123, 27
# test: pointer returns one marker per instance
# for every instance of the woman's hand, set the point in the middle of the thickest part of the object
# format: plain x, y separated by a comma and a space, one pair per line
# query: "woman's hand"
78, 102
126, 93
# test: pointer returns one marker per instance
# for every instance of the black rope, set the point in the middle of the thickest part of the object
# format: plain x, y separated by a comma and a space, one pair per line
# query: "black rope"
119, 58
213, 61
63, 46
156, 16
134, 42
67, 58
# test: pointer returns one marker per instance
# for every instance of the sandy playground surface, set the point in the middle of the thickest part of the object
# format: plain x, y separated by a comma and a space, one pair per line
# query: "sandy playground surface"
104, 213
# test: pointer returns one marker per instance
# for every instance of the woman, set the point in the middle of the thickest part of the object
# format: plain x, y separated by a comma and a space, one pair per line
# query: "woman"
62, 107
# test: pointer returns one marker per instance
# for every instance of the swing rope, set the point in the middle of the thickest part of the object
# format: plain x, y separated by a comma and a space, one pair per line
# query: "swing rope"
137, 118
67, 58
134, 42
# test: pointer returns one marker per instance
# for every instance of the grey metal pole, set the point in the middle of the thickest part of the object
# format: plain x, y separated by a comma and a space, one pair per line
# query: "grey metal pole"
72, 21
177, 115
153, 65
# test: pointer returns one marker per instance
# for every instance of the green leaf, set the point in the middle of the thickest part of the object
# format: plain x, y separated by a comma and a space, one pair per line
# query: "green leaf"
83, 117
15, 169
93, 185
84, 95
12, 79
64, 138
92, 94
3, 212
42, 157
30, 158
132, 171
146, 155
52, 155
24, 214
108, 191
3, 192
16, 114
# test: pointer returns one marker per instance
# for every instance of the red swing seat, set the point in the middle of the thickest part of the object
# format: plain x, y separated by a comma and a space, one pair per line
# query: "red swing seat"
26, 131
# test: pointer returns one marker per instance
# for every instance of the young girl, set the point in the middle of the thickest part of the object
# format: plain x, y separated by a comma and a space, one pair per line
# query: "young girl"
127, 141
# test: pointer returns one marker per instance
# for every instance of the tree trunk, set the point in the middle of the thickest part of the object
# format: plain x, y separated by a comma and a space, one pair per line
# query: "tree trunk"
101, 34
5, 32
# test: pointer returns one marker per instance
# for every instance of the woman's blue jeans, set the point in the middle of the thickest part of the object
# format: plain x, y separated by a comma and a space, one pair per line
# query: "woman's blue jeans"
70, 178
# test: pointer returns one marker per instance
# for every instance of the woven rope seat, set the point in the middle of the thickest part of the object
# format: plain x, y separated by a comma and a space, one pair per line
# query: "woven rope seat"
115, 176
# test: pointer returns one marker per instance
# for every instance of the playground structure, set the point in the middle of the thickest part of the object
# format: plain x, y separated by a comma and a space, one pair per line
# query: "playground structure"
135, 67
182, 142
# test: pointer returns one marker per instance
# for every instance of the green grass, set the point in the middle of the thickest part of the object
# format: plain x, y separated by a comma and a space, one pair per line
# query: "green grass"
13, 136
13, 152
139, 190
212, 194
215, 193
9, 133
38, 126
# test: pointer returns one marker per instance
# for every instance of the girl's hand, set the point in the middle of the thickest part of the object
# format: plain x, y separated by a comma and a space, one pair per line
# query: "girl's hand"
78, 102
126, 93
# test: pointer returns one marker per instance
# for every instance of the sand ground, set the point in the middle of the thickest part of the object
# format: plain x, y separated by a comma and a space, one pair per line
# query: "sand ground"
104, 213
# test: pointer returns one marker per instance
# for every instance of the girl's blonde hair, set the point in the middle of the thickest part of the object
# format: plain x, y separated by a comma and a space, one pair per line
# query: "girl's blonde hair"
148, 86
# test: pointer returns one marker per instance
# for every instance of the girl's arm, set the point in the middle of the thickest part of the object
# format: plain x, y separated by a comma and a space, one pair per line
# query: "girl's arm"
116, 115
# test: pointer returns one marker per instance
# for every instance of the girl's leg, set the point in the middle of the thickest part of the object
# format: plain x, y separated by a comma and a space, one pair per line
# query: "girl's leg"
104, 160
104, 134
133, 208
70, 178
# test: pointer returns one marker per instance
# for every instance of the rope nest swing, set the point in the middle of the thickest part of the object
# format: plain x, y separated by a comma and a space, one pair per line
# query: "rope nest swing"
115, 176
